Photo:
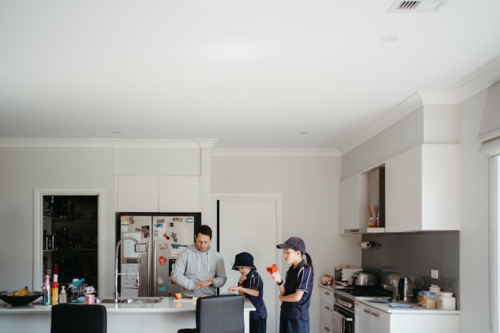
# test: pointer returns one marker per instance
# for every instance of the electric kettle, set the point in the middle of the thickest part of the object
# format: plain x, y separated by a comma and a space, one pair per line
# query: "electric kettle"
406, 289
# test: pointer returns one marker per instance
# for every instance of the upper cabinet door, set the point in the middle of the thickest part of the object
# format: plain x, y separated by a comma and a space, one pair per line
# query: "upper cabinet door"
393, 195
430, 199
354, 203
137, 193
179, 194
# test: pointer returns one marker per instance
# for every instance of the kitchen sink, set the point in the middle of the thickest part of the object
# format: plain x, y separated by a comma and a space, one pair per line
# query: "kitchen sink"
130, 300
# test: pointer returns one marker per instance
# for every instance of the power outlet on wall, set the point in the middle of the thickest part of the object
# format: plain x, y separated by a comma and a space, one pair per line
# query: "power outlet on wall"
434, 274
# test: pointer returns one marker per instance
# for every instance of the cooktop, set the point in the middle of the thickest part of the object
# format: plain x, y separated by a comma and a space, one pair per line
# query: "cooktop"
366, 292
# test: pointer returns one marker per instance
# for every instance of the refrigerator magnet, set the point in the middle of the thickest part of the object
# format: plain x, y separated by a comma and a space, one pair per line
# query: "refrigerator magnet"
162, 288
163, 246
167, 285
189, 219
162, 260
159, 280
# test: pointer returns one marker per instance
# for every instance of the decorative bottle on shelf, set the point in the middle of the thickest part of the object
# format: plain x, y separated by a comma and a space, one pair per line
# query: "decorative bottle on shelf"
46, 291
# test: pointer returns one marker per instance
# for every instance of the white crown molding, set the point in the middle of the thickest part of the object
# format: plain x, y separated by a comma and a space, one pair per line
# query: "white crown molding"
479, 80
393, 116
438, 97
98, 143
276, 152
207, 143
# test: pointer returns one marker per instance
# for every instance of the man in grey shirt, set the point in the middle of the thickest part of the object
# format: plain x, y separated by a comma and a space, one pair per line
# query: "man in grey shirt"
200, 270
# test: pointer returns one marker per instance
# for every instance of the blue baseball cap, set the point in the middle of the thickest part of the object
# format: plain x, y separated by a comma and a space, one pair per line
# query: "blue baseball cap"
293, 242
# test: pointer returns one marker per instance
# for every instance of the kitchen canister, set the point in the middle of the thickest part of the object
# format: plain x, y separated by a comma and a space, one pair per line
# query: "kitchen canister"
448, 302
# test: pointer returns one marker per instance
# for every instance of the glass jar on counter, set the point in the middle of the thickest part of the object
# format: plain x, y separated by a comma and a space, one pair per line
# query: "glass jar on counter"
431, 300
419, 298
424, 299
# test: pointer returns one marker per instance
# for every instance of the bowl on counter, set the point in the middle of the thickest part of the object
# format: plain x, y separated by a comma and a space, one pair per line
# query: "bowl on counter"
7, 297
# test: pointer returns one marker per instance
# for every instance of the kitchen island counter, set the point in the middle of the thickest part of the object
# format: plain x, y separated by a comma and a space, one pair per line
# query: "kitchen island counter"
168, 316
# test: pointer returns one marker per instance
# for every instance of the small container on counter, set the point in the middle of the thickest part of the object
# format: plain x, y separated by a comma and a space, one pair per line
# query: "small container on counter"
448, 302
431, 300
424, 299
419, 298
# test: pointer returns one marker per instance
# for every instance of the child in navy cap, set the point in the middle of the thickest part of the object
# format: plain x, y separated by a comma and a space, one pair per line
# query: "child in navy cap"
250, 285
295, 292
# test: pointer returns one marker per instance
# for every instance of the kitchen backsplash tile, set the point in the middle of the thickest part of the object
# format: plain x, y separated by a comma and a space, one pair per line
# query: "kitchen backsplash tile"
416, 254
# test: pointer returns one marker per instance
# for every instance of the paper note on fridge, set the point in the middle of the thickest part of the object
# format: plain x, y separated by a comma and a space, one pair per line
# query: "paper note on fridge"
129, 246
129, 281
176, 249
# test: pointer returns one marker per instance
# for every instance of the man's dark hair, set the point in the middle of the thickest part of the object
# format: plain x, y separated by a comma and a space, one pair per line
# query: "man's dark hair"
205, 230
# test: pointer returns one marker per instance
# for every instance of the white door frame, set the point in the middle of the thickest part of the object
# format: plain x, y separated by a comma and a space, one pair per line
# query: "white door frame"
38, 194
278, 197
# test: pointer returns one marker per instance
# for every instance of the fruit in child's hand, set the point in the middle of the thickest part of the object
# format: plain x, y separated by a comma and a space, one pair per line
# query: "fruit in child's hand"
178, 296
272, 269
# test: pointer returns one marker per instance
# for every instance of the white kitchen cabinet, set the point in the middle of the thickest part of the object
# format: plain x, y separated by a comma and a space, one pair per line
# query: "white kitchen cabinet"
430, 189
180, 194
137, 193
372, 320
393, 194
325, 309
354, 202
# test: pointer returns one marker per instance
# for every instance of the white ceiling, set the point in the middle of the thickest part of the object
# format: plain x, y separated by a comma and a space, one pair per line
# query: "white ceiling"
253, 74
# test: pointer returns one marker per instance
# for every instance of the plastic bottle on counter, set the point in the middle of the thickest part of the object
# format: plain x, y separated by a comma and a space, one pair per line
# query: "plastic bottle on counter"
55, 291
62, 296
424, 299
46, 291
431, 300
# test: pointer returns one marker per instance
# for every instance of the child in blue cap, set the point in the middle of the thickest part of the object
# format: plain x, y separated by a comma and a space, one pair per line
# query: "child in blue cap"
250, 284
295, 292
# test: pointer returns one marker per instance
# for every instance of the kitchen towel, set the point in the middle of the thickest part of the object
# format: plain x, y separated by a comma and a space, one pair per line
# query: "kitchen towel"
338, 322
401, 306
381, 300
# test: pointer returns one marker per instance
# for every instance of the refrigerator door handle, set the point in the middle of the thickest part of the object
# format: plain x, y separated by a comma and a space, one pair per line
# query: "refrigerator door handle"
149, 270
154, 282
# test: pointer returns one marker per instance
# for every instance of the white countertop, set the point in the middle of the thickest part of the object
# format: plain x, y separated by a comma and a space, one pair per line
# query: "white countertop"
415, 310
168, 304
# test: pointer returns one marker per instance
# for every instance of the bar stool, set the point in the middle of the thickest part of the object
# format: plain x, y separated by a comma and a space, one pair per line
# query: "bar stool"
218, 314
78, 318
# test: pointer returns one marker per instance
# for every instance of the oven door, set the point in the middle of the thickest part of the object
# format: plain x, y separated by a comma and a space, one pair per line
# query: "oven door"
348, 319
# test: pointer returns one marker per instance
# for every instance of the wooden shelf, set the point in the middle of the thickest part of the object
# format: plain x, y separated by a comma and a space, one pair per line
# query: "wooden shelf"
56, 219
69, 250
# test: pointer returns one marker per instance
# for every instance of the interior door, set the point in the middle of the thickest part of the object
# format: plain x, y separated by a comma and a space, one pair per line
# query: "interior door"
247, 225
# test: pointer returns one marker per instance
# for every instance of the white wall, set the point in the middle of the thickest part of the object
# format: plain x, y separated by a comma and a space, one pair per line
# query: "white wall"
474, 316
310, 188
23, 169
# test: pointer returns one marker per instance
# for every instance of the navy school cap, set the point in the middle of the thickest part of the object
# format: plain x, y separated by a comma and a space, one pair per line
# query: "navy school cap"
243, 259
293, 242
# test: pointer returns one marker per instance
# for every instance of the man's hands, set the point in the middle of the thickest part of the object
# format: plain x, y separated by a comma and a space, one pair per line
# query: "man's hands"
203, 284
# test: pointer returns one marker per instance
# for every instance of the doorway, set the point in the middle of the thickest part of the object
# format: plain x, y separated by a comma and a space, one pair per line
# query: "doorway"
251, 223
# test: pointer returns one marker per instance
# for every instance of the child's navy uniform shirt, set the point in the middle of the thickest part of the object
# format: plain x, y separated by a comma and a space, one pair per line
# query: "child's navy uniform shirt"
254, 281
300, 278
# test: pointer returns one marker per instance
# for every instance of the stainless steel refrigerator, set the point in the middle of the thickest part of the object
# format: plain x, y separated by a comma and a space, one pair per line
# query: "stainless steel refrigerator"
163, 237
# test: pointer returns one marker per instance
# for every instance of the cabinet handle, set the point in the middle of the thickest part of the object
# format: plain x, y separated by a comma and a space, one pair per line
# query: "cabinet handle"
326, 307
326, 293
375, 314
368, 311
326, 328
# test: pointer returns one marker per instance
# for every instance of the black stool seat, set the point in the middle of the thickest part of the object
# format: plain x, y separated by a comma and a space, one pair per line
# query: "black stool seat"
218, 314
78, 318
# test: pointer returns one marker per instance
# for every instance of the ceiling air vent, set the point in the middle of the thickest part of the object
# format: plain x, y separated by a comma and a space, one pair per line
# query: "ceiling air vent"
420, 6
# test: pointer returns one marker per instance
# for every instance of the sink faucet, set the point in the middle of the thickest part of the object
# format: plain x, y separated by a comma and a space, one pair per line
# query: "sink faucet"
137, 284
